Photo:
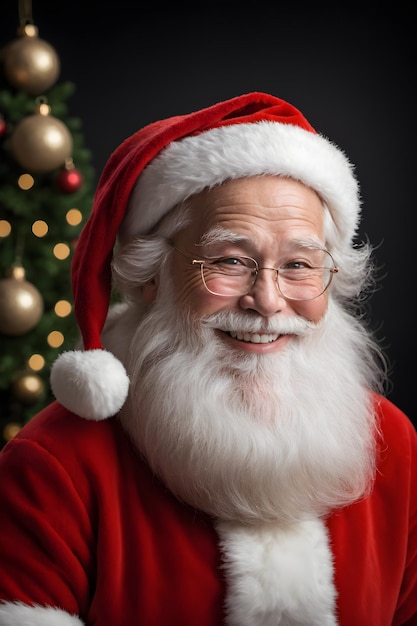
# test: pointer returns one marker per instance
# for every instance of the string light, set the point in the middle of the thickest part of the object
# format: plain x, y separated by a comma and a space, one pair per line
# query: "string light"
62, 308
10, 430
36, 362
25, 181
5, 228
62, 251
40, 228
74, 217
55, 339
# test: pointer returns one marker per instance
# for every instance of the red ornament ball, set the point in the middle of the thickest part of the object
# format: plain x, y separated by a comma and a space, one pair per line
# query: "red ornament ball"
3, 126
69, 180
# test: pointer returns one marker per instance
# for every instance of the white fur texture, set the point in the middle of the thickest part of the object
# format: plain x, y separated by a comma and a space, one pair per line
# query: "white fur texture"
92, 384
278, 576
19, 614
188, 166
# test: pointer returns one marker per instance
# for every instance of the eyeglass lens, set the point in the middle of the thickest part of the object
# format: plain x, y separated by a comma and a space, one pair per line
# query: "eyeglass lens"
296, 280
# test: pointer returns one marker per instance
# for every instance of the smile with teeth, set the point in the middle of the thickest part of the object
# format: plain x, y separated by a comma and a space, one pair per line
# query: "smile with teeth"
254, 337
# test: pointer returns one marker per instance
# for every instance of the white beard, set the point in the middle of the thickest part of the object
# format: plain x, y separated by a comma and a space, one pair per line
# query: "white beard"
285, 436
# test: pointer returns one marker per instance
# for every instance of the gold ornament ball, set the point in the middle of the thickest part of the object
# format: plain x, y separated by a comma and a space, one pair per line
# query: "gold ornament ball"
30, 64
41, 143
28, 388
21, 304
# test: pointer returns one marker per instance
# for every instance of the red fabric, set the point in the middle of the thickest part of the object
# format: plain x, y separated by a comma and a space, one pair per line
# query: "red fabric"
91, 274
375, 541
86, 527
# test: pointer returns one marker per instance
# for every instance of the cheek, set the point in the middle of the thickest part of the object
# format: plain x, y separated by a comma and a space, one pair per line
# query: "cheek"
186, 281
188, 286
312, 310
193, 296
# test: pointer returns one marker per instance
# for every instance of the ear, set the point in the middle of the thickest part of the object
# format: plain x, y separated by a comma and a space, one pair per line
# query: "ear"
150, 289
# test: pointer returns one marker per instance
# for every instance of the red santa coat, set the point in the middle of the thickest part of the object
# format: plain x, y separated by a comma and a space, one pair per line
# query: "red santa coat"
85, 527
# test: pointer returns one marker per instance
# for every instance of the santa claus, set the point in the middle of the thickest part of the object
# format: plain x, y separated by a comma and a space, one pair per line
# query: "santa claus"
220, 451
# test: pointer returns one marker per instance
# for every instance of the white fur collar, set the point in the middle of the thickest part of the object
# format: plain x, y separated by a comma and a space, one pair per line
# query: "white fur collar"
278, 576
20, 614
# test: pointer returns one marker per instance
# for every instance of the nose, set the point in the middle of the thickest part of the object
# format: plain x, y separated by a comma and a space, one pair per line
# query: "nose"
265, 297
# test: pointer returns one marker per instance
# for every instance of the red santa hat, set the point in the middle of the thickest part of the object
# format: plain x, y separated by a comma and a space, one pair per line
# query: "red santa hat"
161, 165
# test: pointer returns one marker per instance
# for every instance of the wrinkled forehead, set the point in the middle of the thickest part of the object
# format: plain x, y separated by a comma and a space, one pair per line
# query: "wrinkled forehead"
262, 202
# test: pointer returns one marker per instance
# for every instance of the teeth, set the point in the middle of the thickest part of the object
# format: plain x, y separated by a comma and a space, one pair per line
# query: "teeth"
254, 337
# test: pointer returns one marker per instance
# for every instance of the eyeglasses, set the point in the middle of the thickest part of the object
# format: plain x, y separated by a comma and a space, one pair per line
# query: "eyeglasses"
304, 277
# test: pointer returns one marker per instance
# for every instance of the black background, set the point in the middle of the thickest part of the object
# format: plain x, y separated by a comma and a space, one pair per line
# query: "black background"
350, 71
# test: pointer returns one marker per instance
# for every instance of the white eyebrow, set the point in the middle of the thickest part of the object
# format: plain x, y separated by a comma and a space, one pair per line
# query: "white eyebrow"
223, 235
219, 235
306, 242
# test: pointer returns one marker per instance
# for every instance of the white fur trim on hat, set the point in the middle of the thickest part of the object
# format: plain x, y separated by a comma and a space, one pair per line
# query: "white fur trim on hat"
187, 166
93, 384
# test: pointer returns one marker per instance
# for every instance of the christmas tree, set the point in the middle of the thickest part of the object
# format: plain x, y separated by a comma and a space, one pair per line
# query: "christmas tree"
46, 189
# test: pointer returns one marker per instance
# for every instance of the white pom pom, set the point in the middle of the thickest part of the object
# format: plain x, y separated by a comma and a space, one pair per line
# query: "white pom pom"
92, 383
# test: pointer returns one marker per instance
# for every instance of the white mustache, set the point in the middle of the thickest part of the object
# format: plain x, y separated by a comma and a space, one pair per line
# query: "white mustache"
229, 321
